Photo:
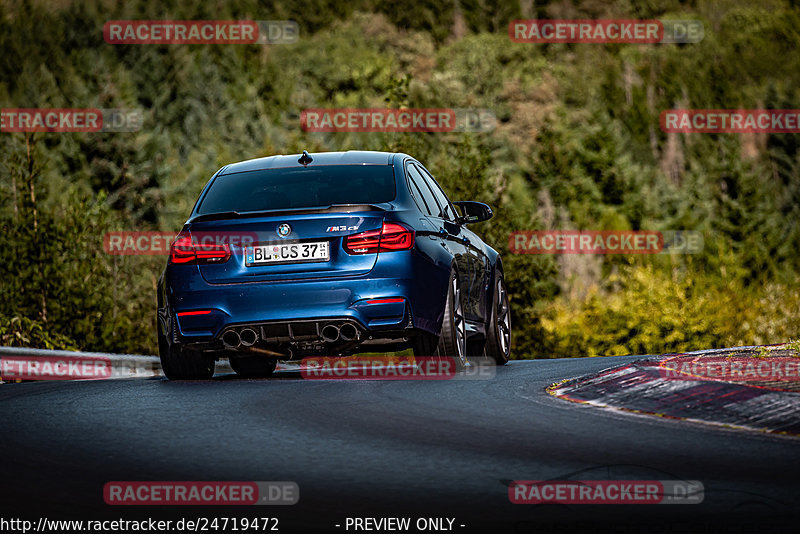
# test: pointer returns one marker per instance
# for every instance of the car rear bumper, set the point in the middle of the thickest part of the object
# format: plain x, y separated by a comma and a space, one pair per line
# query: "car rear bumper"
397, 295
373, 304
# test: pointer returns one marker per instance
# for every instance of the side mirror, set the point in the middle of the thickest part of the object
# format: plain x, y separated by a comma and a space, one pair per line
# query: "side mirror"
473, 212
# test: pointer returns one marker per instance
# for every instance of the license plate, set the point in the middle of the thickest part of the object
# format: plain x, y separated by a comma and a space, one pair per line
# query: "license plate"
287, 253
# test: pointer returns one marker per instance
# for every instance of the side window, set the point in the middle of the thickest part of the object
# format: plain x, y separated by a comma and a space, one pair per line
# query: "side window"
444, 202
416, 194
421, 191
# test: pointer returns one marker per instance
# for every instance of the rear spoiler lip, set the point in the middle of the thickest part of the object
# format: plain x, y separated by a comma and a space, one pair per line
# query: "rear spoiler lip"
334, 208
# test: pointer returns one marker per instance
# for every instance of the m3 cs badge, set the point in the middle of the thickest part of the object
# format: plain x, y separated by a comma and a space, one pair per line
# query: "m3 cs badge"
284, 230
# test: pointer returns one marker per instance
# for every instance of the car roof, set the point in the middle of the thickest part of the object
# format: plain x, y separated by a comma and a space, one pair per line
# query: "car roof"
351, 157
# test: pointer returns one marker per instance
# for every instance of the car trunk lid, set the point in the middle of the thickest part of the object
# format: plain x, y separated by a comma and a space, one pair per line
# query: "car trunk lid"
259, 251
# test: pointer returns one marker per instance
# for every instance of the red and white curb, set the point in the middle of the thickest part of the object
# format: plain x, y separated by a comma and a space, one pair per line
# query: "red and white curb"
642, 387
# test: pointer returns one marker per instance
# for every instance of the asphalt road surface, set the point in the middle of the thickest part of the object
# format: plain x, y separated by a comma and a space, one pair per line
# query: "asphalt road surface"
445, 449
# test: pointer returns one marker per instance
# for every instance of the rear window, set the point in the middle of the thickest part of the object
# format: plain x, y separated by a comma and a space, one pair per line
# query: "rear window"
299, 187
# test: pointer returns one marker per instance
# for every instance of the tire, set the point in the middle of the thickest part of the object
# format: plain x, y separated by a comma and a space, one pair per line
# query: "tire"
180, 363
453, 336
447, 343
498, 331
253, 366
425, 344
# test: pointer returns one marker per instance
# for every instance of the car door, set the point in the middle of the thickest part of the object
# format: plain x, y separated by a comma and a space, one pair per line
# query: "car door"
427, 206
459, 240
442, 226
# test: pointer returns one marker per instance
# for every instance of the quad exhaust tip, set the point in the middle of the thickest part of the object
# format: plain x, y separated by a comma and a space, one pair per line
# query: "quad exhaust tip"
330, 333
348, 332
231, 339
248, 337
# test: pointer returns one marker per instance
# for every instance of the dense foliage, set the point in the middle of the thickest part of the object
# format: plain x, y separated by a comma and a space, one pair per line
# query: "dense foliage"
578, 146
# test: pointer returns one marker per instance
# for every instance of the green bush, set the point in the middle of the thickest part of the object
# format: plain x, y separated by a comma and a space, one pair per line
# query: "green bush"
651, 311
20, 331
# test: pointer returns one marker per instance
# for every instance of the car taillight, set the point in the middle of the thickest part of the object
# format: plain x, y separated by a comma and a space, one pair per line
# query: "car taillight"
392, 236
184, 250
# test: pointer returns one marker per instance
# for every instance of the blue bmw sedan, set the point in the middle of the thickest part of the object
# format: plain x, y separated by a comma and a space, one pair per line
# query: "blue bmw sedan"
328, 254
